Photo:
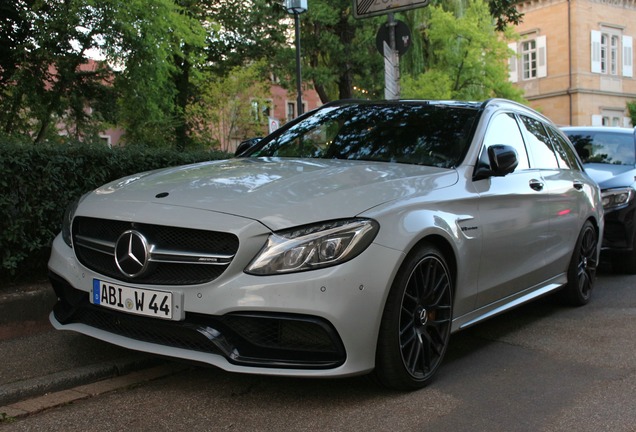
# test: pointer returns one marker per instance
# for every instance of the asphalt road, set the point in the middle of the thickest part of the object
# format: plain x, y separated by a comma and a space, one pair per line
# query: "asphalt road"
542, 367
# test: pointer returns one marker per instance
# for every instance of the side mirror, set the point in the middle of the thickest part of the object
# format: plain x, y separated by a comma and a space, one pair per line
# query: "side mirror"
246, 145
502, 160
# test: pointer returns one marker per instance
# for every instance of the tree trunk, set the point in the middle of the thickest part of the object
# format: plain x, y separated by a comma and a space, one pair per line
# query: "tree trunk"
322, 93
182, 81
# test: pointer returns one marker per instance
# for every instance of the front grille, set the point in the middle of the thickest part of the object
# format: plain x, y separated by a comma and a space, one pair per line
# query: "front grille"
247, 339
187, 251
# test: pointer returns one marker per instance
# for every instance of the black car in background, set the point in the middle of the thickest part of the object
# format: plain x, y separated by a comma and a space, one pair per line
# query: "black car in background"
609, 157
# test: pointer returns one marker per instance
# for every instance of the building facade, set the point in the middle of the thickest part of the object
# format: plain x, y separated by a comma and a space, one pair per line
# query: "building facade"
575, 59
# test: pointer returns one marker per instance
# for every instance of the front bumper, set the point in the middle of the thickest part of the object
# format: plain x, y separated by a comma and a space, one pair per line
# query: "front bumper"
619, 229
244, 339
318, 323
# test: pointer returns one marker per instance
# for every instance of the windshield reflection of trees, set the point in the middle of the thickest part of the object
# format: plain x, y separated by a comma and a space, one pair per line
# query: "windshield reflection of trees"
412, 134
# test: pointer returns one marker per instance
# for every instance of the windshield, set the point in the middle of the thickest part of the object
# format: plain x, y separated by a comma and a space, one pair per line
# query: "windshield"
423, 134
604, 147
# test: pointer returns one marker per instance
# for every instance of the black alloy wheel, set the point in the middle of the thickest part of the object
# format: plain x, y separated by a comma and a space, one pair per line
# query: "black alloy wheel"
416, 324
583, 265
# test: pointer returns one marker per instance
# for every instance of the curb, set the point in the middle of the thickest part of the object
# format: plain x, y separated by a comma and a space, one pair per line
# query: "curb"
20, 390
34, 303
28, 305
24, 408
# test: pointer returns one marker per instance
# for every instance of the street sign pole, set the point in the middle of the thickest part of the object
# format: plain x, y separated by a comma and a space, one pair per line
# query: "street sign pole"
297, 7
390, 45
299, 90
392, 79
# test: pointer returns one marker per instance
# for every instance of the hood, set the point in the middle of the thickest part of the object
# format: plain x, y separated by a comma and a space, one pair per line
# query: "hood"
611, 176
277, 192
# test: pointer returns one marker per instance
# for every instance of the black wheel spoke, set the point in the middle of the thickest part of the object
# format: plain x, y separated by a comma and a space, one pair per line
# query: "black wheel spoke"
425, 317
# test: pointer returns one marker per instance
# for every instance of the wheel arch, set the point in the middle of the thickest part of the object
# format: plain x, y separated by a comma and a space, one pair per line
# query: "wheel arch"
447, 250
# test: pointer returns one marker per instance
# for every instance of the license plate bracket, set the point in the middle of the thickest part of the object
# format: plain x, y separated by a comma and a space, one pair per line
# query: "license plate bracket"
137, 301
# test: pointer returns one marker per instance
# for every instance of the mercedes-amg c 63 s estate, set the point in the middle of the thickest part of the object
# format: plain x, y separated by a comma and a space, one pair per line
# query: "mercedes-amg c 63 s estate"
354, 239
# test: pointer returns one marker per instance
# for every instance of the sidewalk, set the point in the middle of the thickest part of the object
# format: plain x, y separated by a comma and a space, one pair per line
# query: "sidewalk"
39, 361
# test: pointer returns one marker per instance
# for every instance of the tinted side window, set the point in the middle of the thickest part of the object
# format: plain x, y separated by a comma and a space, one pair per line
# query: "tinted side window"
503, 129
539, 144
564, 151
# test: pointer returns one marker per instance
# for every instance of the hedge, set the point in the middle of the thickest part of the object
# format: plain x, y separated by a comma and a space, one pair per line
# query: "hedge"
37, 182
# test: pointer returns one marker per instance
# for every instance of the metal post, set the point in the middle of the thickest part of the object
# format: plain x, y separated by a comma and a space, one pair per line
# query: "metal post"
299, 99
391, 23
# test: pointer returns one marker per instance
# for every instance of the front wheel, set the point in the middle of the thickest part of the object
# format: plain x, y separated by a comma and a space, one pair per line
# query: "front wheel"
582, 269
416, 322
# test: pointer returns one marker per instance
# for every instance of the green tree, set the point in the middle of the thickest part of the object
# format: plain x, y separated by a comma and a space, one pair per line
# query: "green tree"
467, 58
631, 107
229, 108
338, 51
237, 33
45, 78
159, 38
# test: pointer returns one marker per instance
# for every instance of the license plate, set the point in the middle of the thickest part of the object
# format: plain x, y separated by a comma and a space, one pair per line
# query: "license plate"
132, 300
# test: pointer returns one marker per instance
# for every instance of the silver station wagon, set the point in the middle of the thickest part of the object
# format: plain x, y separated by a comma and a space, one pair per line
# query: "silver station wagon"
353, 240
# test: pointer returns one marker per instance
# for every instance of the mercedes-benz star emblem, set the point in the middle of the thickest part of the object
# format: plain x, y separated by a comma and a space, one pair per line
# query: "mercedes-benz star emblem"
131, 253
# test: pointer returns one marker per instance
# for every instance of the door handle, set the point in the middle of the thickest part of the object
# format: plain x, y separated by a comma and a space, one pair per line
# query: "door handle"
536, 184
578, 185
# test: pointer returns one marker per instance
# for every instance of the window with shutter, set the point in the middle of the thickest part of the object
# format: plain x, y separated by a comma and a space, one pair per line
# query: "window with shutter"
542, 57
628, 59
596, 51
513, 75
612, 52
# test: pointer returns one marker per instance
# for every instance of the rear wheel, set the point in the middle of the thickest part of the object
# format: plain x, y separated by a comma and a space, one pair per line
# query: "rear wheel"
582, 270
416, 323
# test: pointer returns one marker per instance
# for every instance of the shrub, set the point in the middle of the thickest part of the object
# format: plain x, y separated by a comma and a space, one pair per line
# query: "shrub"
39, 181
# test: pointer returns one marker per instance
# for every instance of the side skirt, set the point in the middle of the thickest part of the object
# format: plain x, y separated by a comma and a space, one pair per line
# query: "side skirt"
508, 303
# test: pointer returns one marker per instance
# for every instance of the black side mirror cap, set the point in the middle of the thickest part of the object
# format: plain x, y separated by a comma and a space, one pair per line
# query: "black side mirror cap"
502, 160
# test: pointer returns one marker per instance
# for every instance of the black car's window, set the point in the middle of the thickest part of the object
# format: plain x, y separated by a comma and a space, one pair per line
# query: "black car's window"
565, 153
423, 134
503, 129
604, 147
541, 152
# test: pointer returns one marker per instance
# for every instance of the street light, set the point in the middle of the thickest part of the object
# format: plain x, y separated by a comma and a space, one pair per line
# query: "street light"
297, 7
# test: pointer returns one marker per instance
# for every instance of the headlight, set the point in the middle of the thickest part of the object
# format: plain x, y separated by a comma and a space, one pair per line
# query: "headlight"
68, 220
313, 247
614, 198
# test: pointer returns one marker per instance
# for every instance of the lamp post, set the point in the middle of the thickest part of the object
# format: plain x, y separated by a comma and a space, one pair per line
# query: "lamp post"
297, 7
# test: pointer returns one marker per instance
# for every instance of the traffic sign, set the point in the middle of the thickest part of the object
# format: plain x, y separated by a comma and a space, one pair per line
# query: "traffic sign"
368, 8
402, 37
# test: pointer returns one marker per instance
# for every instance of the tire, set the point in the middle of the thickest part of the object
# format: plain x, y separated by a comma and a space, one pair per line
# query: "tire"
582, 269
416, 322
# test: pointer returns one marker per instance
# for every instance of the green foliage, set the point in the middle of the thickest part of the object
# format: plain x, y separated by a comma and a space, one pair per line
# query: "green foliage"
467, 58
224, 108
38, 182
160, 56
338, 51
153, 52
631, 107
242, 31
434, 84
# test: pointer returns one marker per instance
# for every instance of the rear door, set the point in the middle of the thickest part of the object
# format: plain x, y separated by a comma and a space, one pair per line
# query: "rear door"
564, 183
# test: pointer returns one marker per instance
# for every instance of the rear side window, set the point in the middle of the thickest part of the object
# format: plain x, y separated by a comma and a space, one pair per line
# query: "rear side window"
565, 153
539, 144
